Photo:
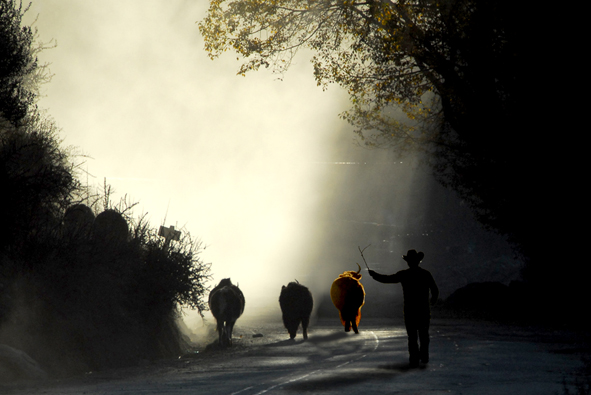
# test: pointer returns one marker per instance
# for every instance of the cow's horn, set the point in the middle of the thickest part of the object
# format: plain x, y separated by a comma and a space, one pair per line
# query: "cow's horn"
359, 268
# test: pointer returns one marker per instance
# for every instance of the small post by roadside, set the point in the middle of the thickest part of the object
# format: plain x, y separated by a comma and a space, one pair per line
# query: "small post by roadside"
169, 234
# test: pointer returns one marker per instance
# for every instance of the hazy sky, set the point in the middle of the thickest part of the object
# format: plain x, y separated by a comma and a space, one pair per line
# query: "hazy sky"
243, 163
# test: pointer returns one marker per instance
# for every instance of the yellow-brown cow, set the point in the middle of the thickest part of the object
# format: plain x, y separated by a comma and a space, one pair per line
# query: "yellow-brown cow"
348, 296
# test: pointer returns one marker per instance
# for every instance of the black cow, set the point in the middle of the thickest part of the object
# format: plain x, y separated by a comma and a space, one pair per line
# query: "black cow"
296, 306
226, 303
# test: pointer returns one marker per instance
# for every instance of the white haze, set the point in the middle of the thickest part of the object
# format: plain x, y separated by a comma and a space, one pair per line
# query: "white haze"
243, 164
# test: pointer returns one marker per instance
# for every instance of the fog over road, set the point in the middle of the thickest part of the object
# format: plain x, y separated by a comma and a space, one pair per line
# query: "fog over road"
466, 358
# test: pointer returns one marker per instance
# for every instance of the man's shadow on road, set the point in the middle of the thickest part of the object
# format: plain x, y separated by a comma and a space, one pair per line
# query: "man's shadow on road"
343, 379
401, 367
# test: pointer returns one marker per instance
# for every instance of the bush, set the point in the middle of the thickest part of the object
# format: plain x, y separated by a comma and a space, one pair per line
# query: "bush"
88, 303
37, 181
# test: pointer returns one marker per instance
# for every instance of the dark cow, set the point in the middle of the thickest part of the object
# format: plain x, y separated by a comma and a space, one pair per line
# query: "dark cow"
348, 295
226, 303
296, 306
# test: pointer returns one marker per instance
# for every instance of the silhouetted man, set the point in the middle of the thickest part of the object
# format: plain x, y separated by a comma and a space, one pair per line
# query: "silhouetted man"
416, 283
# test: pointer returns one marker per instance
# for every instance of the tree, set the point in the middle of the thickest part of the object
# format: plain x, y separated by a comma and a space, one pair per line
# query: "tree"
20, 72
384, 53
37, 178
36, 175
471, 78
454, 68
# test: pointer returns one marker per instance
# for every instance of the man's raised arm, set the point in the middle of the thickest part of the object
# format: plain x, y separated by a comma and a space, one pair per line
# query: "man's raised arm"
384, 278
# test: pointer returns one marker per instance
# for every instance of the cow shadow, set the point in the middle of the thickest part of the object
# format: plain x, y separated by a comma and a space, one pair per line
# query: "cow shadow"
311, 339
333, 336
335, 381
214, 345
286, 343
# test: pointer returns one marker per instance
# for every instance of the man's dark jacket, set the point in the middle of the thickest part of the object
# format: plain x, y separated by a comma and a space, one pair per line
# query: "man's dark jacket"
416, 283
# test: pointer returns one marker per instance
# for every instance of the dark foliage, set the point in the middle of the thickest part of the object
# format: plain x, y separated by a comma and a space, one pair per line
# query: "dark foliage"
494, 146
86, 303
78, 291
37, 181
485, 300
17, 62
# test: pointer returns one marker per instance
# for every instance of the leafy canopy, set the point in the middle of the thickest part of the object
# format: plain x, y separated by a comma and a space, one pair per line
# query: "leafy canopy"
479, 82
442, 77
416, 56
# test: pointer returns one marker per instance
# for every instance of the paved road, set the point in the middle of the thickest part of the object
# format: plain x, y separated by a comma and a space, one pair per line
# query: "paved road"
466, 358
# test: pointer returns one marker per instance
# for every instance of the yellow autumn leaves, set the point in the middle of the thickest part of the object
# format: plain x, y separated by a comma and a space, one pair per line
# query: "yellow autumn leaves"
369, 48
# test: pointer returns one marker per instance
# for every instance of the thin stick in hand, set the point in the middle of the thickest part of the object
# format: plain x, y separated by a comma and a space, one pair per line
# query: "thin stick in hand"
361, 251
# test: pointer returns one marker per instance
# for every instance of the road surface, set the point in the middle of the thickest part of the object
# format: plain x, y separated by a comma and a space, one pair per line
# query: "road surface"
466, 358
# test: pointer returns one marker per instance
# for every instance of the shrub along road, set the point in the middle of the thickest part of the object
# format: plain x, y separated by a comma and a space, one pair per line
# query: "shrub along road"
466, 358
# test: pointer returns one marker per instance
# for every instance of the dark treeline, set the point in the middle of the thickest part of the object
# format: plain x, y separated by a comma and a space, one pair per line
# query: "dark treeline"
82, 286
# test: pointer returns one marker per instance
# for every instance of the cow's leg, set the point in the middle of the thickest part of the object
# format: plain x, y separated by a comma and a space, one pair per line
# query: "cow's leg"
220, 329
229, 329
354, 322
305, 322
347, 325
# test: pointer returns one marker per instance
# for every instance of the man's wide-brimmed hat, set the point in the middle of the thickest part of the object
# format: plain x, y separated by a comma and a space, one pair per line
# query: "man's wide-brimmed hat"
413, 256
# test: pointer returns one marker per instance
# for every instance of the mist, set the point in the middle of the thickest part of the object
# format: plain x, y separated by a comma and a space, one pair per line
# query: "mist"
259, 168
